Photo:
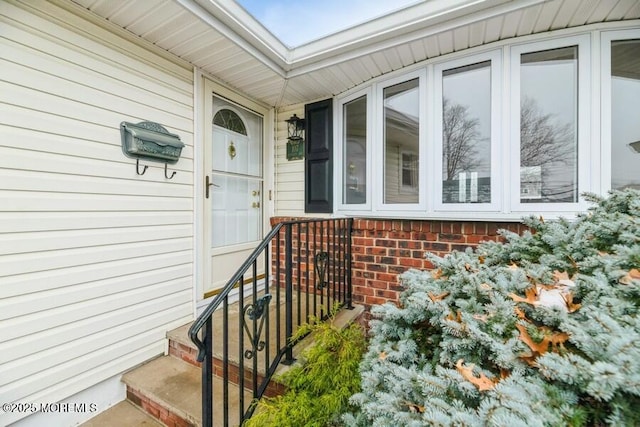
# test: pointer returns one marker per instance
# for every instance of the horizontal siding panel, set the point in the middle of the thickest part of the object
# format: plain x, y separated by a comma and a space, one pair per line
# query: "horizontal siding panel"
17, 201
19, 222
57, 183
85, 275
59, 356
86, 78
52, 298
294, 196
43, 131
68, 333
289, 208
43, 241
89, 141
291, 186
72, 109
27, 263
105, 305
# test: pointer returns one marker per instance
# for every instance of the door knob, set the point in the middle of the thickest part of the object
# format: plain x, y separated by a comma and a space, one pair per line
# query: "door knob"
255, 193
255, 205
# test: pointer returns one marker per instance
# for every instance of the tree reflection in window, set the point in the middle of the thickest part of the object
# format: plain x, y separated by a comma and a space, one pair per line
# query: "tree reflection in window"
548, 126
229, 119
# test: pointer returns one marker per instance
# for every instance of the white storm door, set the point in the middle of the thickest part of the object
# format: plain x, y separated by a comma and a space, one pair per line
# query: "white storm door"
233, 163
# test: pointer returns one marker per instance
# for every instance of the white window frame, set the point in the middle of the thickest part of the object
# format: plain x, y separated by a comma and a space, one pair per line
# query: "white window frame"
495, 56
606, 38
584, 120
340, 147
378, 147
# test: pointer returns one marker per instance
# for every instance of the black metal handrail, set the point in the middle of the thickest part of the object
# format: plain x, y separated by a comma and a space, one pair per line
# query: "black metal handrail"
307, 260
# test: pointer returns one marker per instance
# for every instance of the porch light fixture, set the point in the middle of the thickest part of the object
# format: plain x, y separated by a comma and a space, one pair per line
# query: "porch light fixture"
295, 143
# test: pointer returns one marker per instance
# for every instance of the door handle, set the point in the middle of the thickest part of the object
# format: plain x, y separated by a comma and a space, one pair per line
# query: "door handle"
255, 205
207, 184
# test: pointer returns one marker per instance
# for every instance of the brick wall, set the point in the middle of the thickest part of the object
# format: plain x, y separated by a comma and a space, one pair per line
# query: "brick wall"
382, 249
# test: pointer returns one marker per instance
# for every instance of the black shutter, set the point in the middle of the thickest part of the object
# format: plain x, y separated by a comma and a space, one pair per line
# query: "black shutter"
318, 164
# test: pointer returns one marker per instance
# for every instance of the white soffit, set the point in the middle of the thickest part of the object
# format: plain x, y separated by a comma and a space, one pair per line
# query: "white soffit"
222, 39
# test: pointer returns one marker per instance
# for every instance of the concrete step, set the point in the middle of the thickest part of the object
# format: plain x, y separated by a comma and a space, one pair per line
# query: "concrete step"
170, 389
124, 413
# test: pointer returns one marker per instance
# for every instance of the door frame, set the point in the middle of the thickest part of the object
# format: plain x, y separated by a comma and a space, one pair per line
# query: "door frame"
204, 88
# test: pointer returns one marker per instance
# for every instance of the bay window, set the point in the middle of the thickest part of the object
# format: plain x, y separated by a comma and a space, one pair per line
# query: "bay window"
508, 130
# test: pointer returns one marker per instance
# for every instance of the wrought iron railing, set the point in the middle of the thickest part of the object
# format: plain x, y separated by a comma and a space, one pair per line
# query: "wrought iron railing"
299, 271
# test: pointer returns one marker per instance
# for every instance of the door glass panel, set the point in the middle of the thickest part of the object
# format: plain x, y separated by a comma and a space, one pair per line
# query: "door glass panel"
401, 137
549, 126
466, 134
236, 193
625, 121
235, 208
355, 156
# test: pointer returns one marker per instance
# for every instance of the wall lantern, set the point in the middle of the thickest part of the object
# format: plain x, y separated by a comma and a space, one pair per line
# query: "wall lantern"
150, 141
295, 143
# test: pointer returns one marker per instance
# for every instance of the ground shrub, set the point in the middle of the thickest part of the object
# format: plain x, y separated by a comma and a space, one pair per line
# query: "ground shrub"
319, 387
542, 330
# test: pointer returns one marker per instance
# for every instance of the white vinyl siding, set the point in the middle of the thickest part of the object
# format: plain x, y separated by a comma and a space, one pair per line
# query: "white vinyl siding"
289, 175
95, 260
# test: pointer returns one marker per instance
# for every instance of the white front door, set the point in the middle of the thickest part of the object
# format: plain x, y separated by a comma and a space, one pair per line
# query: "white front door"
233, 153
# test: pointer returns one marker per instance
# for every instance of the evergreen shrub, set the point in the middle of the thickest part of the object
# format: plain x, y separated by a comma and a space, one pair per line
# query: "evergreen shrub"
320, 385
542, 330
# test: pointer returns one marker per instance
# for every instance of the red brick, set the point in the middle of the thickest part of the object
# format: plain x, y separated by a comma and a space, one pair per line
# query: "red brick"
386, 277
378, 284
387, 243
375, 250
388, 294
375, 300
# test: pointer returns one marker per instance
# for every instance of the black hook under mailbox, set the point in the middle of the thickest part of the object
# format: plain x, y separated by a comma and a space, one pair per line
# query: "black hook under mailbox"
150, 141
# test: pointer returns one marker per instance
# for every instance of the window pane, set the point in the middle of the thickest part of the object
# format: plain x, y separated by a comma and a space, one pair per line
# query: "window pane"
549, 126
354, 169
625, 123
466, 134
401, 129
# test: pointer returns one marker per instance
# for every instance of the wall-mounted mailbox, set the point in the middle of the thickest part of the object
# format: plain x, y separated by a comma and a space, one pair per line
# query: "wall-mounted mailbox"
150, 141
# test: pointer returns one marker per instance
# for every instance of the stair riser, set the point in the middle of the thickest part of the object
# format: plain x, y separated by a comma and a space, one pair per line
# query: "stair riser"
156, 410
188, 354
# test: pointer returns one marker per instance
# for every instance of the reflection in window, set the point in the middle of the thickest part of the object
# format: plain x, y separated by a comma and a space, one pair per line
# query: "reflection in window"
625, 123
548, 126
466, 134
409, 168
354, 169
401, 129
